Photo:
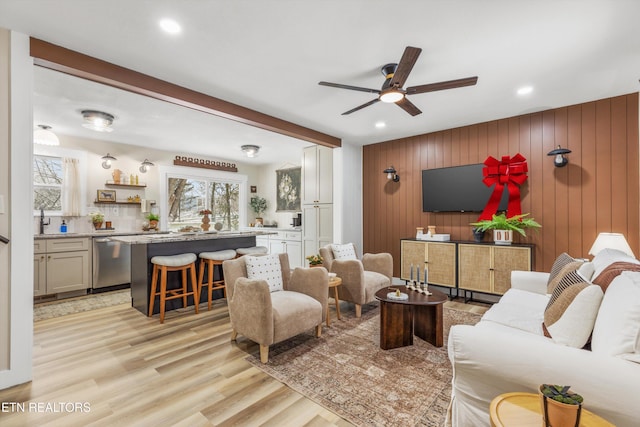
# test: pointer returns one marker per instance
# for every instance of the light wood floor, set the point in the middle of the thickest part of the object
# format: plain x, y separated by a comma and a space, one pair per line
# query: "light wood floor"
131, 370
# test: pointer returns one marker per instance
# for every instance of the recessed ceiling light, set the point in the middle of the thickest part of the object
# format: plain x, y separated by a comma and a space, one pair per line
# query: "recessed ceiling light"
380, 125
525, 90
170, 26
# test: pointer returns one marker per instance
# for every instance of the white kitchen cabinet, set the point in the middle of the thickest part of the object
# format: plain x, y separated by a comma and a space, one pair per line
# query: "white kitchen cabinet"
317, 227
289, 242
61, 265
317, 175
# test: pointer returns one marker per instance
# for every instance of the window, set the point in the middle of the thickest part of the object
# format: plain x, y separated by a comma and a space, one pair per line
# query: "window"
221, 193
47, 183
50, 190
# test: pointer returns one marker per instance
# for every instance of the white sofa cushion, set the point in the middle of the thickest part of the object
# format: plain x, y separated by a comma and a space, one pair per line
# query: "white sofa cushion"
520, 310
617, 328
267, 268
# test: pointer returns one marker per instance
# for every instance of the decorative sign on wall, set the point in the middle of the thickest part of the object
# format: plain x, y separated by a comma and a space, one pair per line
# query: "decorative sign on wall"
510, 172
288, 184
206, 164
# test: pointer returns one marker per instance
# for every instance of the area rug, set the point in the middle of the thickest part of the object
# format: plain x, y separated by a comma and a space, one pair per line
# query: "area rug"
49, 310
348, 373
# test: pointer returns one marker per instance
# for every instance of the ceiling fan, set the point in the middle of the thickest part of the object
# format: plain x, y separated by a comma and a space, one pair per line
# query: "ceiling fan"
395, 76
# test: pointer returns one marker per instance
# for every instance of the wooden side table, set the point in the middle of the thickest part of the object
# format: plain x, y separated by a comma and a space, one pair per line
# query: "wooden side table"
334, 283
523, 410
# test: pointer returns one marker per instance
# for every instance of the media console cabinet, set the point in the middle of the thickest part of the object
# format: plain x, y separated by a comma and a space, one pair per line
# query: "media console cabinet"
468, 266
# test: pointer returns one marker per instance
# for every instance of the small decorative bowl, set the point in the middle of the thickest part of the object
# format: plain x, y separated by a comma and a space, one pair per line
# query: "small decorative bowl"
332, 275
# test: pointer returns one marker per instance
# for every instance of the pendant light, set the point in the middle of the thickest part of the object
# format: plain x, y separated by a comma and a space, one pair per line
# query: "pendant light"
44, 136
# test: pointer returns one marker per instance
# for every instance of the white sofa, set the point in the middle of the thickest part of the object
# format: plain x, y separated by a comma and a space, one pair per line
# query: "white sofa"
507, 351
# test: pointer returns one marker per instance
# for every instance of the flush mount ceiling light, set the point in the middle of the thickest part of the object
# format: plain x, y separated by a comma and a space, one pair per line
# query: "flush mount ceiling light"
170, 26
250, 150
44, 136
144, 166
97, 120
392, 174
560, 159
525, 90
106, 161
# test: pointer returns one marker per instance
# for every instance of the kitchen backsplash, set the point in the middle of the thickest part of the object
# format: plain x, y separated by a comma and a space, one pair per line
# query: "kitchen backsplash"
123, 218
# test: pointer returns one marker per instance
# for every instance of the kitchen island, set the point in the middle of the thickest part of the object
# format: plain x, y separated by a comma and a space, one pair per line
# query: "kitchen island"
145, 247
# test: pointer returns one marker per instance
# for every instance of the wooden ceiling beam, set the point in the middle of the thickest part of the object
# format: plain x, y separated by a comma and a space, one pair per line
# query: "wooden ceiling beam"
61, 59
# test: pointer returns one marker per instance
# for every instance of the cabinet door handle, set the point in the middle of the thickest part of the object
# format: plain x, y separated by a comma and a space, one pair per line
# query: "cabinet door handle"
41, 257
49, 257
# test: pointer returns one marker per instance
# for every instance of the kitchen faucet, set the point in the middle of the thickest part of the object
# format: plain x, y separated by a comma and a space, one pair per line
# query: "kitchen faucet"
42, 223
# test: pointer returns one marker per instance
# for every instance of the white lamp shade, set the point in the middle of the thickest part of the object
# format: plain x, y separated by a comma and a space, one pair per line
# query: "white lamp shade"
612, 241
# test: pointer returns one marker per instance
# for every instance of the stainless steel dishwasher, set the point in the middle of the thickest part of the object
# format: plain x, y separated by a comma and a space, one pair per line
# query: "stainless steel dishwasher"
111, 263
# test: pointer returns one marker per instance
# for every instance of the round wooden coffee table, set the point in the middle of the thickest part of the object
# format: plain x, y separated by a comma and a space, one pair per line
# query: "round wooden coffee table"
524, 410
334, 283
420, 315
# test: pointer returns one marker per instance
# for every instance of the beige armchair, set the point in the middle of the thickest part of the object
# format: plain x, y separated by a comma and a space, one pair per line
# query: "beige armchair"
360, 279
270, 317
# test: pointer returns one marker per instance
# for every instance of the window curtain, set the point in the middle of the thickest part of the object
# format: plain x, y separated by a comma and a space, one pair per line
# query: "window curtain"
70, 187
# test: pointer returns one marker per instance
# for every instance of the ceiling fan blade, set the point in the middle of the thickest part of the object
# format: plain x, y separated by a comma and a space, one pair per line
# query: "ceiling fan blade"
408, 106
451, 84
340, 86
360, 107
408, 60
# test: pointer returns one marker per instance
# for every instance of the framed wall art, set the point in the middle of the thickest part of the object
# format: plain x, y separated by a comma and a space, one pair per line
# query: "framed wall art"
106, 196
288, 186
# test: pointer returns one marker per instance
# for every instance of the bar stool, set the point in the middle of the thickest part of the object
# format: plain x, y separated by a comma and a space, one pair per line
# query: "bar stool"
210, 260
253, 250
161, 266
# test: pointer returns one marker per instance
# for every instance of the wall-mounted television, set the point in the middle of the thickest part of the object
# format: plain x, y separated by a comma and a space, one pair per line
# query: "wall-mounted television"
457, 189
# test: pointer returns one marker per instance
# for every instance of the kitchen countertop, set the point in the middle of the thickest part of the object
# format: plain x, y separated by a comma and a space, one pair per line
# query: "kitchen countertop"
270, 228
106, 233
181, 237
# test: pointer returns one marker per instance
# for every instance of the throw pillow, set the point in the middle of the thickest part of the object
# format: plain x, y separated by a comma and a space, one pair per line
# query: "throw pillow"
612, 271
569, 268
586, 270
572, 310
346, 251
559, 264
617, 328
608, 256
265, 268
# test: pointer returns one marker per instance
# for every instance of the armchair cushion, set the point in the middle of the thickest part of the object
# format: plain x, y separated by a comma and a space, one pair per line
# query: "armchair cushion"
342, 252
267, 268
293, 313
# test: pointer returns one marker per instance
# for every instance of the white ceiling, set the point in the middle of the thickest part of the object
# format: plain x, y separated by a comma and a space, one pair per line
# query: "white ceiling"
269, 55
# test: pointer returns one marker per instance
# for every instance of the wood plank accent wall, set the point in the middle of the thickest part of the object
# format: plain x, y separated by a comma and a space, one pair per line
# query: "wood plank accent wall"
598, 191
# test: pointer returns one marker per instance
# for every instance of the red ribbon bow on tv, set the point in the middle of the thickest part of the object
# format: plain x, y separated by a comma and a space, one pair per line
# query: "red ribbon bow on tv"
510, 172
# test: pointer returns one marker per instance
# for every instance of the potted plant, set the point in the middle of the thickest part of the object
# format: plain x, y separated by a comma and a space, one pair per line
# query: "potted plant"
97, 218
560, 406
315, 260
259, 206
504, 227
153, 220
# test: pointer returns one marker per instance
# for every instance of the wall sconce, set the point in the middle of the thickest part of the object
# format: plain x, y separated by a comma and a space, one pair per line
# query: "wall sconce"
106, 161
144, 166
250, 150
560, 159
391, 174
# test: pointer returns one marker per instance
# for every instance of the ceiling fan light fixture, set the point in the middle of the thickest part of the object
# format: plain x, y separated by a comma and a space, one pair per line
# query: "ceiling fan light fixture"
97, 120
391, 96
250, 150
45, 136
